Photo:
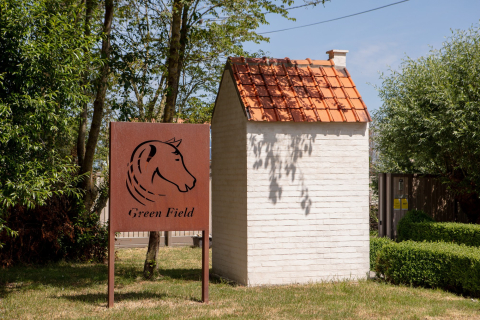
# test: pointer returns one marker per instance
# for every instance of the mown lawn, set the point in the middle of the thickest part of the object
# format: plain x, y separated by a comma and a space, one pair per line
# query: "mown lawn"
79, 291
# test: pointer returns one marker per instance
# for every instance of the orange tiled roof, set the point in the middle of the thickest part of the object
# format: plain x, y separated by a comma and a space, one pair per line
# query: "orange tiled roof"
297, 90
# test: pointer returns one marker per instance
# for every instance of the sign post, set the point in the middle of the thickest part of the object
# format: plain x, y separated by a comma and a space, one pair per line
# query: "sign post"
159, 181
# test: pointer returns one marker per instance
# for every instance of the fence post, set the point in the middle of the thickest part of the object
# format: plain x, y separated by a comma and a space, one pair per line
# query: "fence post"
389, 205
381, 205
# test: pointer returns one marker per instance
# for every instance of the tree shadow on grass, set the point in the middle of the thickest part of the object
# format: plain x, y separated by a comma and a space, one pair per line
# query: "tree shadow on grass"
81, 275
62, 275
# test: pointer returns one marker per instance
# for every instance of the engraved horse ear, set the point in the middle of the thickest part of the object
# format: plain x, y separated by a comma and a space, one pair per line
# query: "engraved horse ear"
174, 142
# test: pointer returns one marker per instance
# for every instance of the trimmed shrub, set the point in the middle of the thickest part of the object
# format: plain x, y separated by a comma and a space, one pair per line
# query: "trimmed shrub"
431, 264
418, 226
376, 244
412, 216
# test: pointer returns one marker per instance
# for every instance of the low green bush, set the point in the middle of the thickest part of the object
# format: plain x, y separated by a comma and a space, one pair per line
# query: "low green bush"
418, 226
412, 216
376, 244
431, 264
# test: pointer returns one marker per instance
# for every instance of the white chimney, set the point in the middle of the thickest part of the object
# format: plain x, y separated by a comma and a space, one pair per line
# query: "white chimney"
339, 57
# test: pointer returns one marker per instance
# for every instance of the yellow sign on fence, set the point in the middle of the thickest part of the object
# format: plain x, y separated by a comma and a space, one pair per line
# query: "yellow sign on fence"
396, 204
404, 204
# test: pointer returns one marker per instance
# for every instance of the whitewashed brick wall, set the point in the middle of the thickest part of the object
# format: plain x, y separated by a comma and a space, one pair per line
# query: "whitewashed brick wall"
307, 202
229, 185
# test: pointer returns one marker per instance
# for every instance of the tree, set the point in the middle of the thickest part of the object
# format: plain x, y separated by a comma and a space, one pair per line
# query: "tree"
101, 85
430, 119
42, 55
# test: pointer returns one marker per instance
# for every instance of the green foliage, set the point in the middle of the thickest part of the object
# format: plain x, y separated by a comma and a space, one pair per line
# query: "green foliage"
410, 218
42, 55
90, 241
431, 264
412, 227
376, 244
430, 118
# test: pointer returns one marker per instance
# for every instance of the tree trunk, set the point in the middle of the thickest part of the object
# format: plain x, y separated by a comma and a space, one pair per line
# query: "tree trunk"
82, 128
470, 205
173, 78
173, 70
150, 266
98, 106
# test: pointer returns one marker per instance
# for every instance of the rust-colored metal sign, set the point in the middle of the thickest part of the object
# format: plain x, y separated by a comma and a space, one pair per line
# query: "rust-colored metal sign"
159, 181
159, 176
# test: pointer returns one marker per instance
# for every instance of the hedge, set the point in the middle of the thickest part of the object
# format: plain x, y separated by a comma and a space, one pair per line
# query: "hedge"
376, 244
417, 226
431, 264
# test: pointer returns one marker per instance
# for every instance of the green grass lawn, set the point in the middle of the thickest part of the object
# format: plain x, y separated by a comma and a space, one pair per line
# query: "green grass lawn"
79, 291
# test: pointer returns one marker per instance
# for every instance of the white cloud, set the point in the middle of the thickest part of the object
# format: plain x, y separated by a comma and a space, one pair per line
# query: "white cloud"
373, 58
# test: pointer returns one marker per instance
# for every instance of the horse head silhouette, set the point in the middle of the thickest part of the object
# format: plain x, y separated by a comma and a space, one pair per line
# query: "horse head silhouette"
154, 162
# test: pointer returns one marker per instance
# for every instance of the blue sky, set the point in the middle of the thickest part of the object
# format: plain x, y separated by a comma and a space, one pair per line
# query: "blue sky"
376, 40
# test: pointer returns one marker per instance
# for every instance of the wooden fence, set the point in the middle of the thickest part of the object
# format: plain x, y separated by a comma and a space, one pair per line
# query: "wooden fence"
398, 193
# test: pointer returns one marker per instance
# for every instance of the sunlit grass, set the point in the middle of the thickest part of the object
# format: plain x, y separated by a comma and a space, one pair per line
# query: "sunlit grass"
79, 291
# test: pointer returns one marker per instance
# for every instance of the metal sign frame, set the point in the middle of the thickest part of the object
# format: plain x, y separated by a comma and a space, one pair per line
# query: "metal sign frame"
159, 181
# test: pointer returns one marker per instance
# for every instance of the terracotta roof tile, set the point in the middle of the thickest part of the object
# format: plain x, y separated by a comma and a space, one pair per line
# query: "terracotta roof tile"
333, 82
256, 114
249, 91
262, 91
328, 71
274, 91
339, 93
288, 91
297, 115
357, 104
303, 72
279, 102
300, 91
291, 71
321, 81
252, 102
283, 115
317, 71
310, 115
313, 92
297, 90
254, 69
291, 102
349, 115
244, 78
296, 80
266, 70
346, 82
326, 92
267, 102
344, 103
279, 71
270, 115
308, 81
283, 81
351, 93
257, 79
270, 80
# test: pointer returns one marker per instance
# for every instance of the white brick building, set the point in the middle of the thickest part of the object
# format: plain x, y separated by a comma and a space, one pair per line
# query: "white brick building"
290, 181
